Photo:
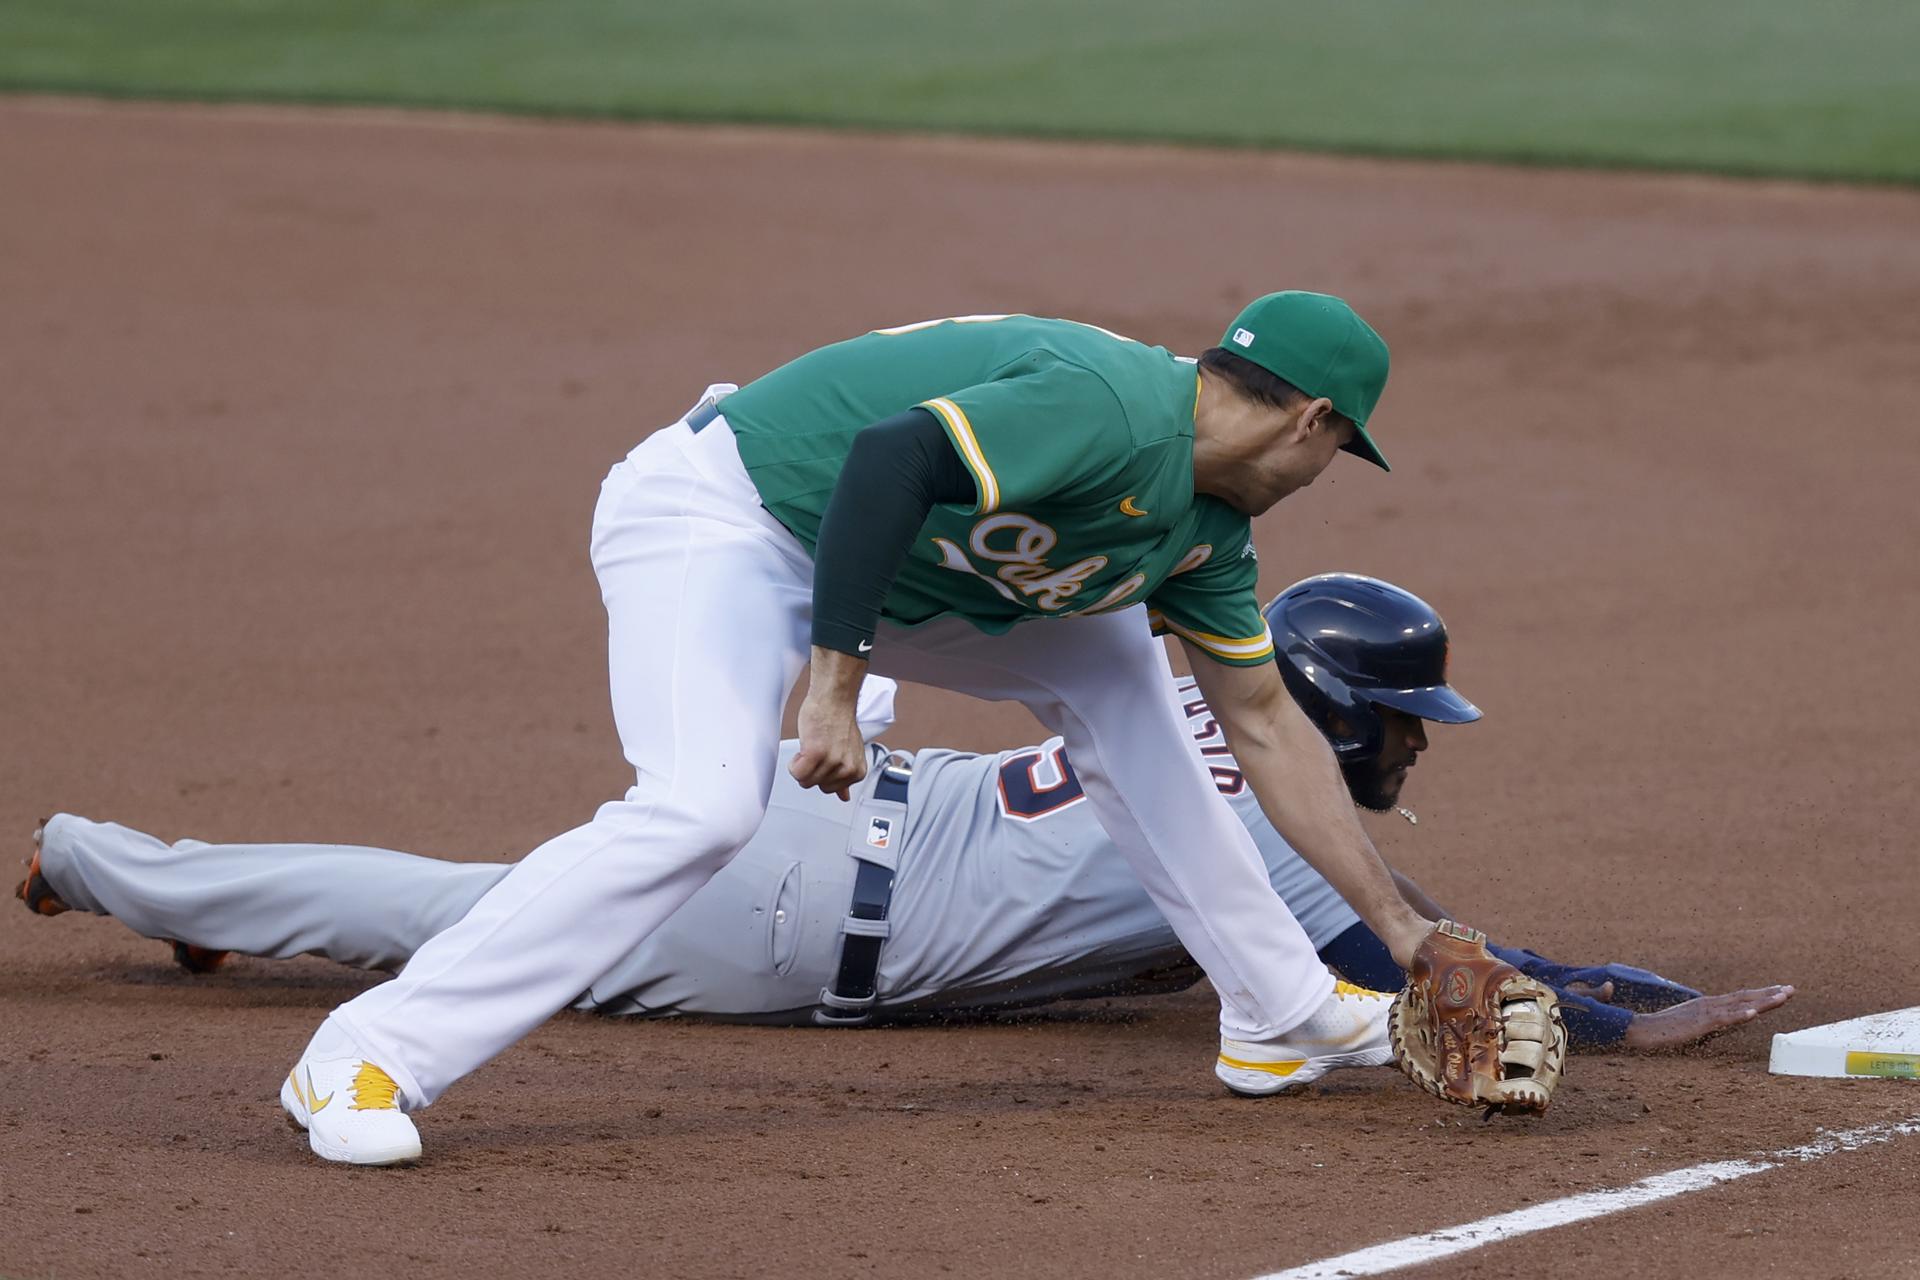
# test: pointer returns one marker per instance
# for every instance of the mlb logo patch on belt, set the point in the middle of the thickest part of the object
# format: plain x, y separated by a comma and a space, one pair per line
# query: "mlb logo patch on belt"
879, 833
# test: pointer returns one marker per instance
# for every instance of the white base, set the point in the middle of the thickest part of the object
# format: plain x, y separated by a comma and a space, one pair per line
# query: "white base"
1886, 1045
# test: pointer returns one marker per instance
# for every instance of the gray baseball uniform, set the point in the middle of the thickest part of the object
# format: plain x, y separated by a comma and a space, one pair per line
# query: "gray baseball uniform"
1007, 892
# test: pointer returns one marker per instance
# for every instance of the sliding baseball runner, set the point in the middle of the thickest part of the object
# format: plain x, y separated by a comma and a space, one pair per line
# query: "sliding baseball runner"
1005, 894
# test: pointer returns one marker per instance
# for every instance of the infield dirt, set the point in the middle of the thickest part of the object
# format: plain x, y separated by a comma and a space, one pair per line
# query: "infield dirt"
304, 415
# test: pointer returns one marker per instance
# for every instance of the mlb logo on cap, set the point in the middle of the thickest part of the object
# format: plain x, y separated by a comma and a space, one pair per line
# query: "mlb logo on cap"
1243, 337
879, 833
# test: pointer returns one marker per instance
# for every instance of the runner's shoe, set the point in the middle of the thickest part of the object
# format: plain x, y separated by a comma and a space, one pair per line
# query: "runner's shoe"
34, 890
197, 959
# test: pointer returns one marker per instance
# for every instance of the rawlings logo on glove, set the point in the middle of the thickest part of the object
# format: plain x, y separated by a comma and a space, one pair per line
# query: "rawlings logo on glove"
1472, 1029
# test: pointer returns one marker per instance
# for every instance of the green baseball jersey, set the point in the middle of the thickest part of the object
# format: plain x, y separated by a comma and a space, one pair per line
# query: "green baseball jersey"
1080, 443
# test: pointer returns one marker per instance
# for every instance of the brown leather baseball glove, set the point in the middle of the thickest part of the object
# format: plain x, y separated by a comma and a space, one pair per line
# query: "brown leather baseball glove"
1472, 1029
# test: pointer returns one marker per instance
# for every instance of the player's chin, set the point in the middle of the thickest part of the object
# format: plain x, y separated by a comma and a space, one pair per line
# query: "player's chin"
1380, 794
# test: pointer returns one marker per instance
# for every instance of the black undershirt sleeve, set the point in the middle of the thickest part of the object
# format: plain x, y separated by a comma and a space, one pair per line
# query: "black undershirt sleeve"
895, 472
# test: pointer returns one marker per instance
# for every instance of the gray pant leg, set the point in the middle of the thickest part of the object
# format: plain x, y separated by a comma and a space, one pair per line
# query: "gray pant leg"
758, 941
366, 907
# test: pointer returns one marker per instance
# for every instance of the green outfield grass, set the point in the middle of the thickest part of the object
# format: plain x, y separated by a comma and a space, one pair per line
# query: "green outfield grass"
1822, 90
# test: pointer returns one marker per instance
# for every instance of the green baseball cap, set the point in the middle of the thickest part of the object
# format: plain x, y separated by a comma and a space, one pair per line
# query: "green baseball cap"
1319, 344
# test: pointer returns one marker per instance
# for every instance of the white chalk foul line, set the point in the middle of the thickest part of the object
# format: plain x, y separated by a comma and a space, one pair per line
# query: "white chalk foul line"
1395, 1254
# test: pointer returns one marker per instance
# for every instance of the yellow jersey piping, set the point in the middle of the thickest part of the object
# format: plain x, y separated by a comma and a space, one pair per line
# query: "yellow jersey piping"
970, 451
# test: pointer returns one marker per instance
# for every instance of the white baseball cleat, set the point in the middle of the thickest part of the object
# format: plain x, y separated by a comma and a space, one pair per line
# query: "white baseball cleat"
349, 1108
1349, 1030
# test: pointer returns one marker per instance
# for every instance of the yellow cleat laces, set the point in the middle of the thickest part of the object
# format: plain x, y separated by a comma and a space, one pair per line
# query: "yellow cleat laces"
373, 1090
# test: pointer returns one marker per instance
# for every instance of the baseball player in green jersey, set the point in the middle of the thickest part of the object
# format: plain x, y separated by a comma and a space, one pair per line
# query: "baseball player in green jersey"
1006, 506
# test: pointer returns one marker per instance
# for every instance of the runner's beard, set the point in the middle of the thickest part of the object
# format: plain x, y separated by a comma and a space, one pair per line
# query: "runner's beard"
1371, 786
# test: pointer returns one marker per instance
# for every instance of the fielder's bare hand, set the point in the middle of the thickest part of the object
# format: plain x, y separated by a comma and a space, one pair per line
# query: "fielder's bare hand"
833, 754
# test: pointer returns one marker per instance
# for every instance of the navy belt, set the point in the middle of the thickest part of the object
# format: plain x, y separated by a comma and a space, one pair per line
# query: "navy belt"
703, 414
849, 1000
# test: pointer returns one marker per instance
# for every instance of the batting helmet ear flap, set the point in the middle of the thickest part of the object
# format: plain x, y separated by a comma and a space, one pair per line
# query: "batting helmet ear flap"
1343, 716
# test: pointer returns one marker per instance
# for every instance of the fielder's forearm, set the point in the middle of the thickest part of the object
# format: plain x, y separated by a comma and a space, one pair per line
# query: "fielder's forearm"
1416, 897
1301, 792
1294, 777
835, 680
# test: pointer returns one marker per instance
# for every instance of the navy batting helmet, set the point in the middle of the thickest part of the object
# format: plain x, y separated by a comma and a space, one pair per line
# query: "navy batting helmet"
1348, 643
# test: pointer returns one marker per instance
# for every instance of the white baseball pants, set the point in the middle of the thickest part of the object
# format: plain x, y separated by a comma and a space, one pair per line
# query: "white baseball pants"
708, 603
1103, 683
